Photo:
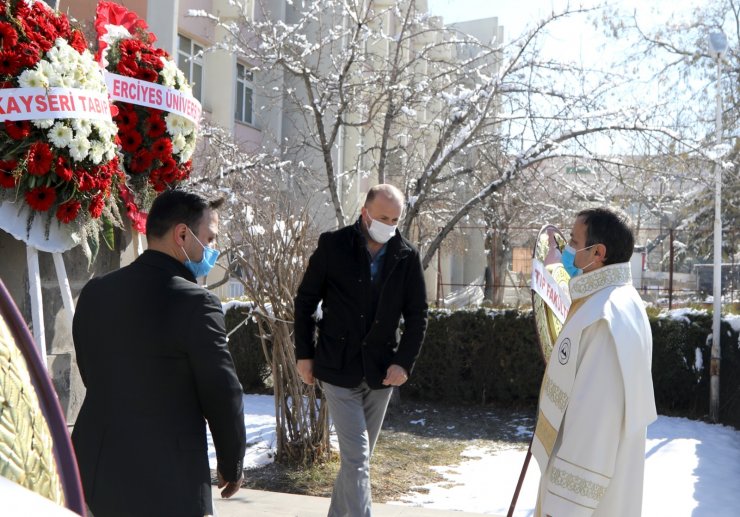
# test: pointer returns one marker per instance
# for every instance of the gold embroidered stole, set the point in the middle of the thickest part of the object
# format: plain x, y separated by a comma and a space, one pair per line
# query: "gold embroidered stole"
589, 293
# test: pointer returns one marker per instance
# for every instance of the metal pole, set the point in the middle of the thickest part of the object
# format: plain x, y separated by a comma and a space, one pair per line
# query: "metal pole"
717, 284
670, 276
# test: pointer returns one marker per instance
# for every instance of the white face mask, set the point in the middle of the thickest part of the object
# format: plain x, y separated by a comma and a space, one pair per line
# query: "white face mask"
380, 232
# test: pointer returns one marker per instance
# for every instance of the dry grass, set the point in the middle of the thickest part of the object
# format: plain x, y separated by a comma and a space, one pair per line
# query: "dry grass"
415, 437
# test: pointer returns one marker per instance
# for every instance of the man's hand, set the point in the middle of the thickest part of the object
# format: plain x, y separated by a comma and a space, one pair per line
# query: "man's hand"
229, 487
305, 370
395, 376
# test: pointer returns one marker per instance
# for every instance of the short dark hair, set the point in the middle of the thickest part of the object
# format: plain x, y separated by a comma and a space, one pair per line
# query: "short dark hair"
176, 206
612, 229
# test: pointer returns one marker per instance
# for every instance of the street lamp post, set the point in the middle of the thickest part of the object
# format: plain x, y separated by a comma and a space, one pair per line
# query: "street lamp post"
718, 44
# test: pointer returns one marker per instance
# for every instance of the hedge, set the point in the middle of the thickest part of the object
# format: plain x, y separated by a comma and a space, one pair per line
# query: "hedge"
492, 357
246, 349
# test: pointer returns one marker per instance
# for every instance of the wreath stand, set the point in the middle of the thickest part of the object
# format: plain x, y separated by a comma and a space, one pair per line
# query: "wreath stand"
61, 238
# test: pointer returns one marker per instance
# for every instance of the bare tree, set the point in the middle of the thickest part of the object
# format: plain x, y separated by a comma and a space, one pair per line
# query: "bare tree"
266, 243
426, 106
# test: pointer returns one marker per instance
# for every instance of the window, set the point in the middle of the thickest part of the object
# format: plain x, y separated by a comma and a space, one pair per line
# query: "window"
190, 61
244, 92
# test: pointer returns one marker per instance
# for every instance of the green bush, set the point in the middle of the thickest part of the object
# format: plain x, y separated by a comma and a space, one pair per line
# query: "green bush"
246, 350
485, 356
682, 388
478, 357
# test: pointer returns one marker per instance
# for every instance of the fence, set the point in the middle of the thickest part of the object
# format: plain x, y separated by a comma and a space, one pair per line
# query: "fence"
666, 271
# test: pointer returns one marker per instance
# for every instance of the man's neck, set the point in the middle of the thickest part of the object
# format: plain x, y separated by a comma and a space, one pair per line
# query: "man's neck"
167, 250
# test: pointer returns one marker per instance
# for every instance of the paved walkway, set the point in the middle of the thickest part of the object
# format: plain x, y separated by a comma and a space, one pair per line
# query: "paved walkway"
258, 502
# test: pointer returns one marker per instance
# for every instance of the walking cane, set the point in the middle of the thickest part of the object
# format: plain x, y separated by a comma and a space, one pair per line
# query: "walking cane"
521, 480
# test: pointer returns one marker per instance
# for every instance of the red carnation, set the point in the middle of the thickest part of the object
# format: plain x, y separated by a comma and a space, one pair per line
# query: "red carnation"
96, 206
155, 178
85, 182
162, 148
153, 59
7, 179
77, 41
62, 169
131, 140
155, 125
147, 74
41, 198
28, 54
67, 212
141, 161
130, 46
18, 130
127, 119
128, 66
8, 35
61, 24
9, 63
39, 159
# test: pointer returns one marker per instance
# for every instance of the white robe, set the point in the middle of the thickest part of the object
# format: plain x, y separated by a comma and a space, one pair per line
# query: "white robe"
596, 467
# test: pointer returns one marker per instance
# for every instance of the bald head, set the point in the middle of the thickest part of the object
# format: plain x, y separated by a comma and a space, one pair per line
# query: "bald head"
387, 192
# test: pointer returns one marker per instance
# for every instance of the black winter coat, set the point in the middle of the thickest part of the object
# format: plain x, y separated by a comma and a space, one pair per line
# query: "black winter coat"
357, 332
152, 352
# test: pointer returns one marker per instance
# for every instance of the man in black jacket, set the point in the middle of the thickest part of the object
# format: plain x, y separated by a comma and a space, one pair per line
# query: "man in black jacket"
151, 348
366, 277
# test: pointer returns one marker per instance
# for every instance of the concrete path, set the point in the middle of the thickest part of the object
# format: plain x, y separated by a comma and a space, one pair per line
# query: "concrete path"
258, 502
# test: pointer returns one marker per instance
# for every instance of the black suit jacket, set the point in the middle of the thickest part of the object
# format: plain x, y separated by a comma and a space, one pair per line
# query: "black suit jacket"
357, 338
151, 349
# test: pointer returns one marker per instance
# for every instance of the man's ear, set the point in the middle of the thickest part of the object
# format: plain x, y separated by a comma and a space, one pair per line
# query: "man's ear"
600, 253
178, 234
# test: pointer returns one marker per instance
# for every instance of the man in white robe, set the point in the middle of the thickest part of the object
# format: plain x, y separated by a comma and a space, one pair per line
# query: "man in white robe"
596, 399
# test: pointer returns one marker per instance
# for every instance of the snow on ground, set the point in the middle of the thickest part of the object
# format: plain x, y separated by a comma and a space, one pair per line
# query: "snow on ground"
692, 469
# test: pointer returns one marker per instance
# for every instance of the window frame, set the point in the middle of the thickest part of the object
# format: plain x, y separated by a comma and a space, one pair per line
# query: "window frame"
192, 59
247, 83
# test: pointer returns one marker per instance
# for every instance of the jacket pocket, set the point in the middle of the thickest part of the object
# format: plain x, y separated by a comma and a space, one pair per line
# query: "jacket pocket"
330, 349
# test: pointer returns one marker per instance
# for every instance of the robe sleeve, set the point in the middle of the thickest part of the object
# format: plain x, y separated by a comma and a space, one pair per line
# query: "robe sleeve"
579, 474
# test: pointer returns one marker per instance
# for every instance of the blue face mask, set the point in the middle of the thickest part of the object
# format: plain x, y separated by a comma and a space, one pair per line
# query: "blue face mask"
569, 260
202, 268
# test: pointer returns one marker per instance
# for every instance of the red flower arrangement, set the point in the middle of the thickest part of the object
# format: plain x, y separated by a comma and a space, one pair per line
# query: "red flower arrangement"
156, 145
68, 167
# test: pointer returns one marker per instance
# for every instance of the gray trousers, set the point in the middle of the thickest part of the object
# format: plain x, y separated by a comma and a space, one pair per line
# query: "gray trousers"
357, 414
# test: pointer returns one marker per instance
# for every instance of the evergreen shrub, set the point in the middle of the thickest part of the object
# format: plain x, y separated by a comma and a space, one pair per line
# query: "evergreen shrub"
478, 356
489, 356
486, 356
246, 350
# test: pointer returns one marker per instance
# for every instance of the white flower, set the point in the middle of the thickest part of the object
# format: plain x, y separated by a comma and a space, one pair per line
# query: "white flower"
78, 148
186, 152
33, 79
178, 142
97, 150
175, 124
43, 123
168, 72
60, 135
110, 153
82, 127
114, 33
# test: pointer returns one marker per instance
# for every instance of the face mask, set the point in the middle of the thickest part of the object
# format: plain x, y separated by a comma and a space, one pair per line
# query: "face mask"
202, 268
569, 260
380, 232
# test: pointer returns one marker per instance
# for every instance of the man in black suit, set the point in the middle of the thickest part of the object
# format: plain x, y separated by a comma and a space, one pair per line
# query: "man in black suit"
366, 277
151, 348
